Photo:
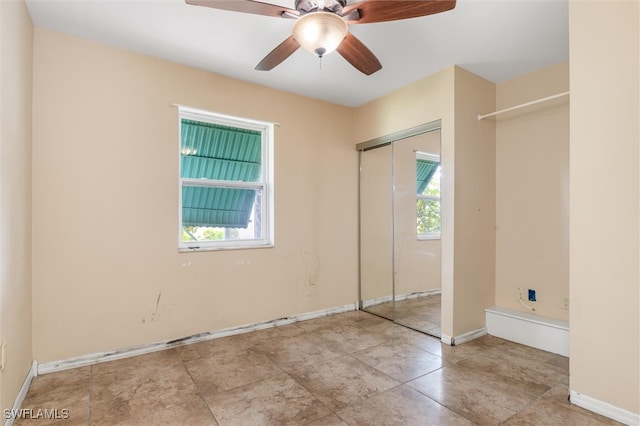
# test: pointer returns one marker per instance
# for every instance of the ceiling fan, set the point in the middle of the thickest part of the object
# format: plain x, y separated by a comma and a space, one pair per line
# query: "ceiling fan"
322, 26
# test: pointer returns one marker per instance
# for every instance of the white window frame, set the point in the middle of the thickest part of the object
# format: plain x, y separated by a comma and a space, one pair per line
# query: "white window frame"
433, 158
265, 185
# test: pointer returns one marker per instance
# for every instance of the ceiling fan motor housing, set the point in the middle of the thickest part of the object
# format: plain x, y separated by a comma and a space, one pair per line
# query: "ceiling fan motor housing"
306, 6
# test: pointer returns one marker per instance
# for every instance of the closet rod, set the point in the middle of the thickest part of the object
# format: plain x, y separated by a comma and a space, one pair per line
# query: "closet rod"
537, 101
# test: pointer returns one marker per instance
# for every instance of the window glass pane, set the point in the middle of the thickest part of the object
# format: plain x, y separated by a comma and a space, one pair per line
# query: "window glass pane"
428, 199
212, 151
428, 213
432, 187
221, 214
212, 206
424, 173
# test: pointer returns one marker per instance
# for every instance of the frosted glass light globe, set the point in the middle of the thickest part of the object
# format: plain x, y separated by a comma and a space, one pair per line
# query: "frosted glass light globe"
320, 32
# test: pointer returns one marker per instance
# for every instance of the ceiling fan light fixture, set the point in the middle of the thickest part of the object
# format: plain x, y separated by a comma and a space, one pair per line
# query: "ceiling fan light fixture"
320, 32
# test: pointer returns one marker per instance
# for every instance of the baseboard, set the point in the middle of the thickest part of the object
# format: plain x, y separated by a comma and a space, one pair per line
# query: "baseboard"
417, 294
547, 334
604, 408
446, 339
17, 405
378, 300
95, 358
465, 337
400, 297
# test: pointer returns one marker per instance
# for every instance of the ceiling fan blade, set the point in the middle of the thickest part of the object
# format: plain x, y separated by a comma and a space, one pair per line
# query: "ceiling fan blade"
358, 55
392, 10
246, 6
279, 54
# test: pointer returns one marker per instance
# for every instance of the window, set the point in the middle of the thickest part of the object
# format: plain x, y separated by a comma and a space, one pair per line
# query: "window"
226, 192
428, 196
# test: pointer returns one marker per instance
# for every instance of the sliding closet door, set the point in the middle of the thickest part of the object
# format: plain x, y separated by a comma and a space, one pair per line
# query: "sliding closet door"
416, 227
376, 233
400, 266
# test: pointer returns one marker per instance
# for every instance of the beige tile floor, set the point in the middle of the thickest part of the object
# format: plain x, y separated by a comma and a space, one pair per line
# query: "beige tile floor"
420, 313
346, 369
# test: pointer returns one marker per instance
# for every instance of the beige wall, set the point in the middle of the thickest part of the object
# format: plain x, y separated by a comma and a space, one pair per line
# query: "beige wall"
532, 192
16, 40
105, 190
604, 201
475, 200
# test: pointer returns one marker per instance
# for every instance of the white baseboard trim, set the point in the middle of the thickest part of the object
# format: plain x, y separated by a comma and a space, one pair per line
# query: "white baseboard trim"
17, 405
465, 337
95, 358
400, 297
417, 294
604, 408
548, 334
446, 339
378, 300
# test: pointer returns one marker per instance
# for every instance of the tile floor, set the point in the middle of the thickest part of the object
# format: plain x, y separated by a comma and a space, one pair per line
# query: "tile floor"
347, 369
420, 313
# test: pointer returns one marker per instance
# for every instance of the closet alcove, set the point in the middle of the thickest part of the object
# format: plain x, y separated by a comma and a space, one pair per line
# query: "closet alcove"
400, 232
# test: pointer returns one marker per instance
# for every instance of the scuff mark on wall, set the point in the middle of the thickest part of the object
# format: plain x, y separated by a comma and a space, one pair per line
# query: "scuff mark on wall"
311, 266
154, 316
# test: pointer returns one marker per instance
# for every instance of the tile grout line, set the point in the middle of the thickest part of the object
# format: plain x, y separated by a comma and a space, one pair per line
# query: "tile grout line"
314, 397
444, 405
352, 356
300, 384
201, 395
90, 396
198, 390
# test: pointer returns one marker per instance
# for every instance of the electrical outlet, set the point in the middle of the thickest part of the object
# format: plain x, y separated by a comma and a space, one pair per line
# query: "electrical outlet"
565, 303
531, 295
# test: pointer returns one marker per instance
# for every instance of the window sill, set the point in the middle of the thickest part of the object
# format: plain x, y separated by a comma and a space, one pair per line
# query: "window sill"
223, 248
428, 237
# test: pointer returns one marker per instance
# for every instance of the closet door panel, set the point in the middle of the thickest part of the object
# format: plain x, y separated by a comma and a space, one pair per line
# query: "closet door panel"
376, 233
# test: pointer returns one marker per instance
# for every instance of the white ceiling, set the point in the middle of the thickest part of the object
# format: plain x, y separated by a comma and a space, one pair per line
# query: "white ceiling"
496, 39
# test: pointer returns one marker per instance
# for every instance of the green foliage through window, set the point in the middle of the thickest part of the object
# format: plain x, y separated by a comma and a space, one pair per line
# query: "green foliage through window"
428, 203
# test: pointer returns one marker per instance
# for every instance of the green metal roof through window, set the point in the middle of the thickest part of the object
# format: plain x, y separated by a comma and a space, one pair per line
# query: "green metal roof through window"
212, 151
217, 207
424, 172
